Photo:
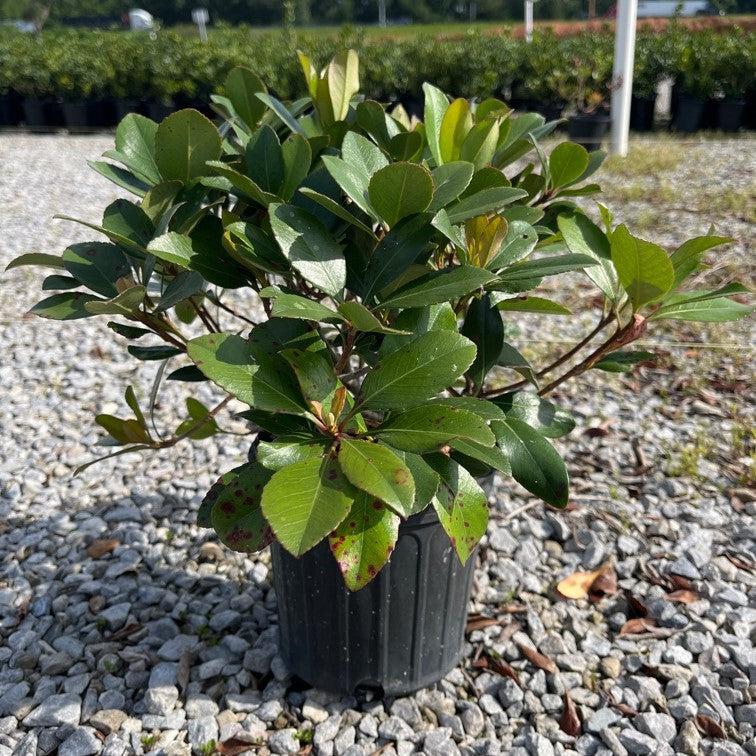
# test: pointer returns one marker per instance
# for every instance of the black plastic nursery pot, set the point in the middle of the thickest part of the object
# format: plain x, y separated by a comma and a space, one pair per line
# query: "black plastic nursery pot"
688, 114
123, 107
101, 113
551, 111
588, 129
642, 113
403, 631
42, 114
76, 115
10, 109
730, 114
157, 111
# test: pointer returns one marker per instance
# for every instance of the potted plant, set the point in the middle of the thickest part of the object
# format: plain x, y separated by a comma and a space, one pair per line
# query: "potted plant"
733, 64
544, 77
349, 277
695, 82
648, 72
10, 101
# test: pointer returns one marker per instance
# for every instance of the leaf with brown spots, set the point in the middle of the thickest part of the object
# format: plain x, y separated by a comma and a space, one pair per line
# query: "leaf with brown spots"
683, 596
537, 658
101, 547
460, 504
363, 542
710, 727
236, 514
569, 722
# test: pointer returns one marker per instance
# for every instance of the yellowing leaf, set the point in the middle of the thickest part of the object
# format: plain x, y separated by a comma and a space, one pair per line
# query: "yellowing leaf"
484, 237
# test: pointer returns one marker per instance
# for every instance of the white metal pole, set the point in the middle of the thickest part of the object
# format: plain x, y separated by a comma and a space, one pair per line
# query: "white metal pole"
622, 77
381, 12
528, 20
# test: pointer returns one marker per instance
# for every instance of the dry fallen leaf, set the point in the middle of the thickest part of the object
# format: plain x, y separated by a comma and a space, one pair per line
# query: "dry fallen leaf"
569, 722
102, 546
683, 596
637, 626
479, 622
496, 665
595, 584
537, 658
710, 727
235, 746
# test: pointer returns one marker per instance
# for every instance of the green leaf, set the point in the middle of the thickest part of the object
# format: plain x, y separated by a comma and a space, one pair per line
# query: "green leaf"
376, 469
128, 331
197, 412
227, 359
622, 362
540, 414
491, 456
455, 234
364, 320
449, 181
353, 181
288, 305
426, 479
363, 542
185, 285
314, 369
334, 207
282, 112
188, 373
398, 249
399, 190
202, 251
343, 82
68, 306
135, 145
418, 371
513, 359
97, 265
236, 514
309, 247
519, 242
241, 87
59, 283
125, 303
206, 505
704, 307
484, 327
297, 159
406, 146
480, 407
124, 431
237, 183
36, 258
479, 145
686, 259
159, 352
184, 142
544, 266
535, 464
532, 304
417, 321
567, 163
436, 105
428, 427
583, 237
285, 451
461, 506
306, 501
484, 202
455, 126
120, 177
439, 286
264, 159
158, 199
644, 269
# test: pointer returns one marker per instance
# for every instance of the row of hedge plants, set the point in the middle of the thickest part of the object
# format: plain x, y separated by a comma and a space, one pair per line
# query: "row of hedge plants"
90, 79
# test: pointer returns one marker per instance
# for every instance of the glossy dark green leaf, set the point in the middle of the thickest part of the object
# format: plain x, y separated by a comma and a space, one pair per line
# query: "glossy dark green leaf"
59, 283
519, 242
436, 105
540, 414
484, 327
483, 202
364, 320
68, 306
241, 87
36, 258
399, 190
184, 142
288, 305
160, 352
450, 180
188, 373
543, 266
512, 358
126, 303
532, 304
491, 456
264, 159
567, 163
686, 259
417, 321
439, 286
535, 463
285, 451
185, 285
120, 177
128, 331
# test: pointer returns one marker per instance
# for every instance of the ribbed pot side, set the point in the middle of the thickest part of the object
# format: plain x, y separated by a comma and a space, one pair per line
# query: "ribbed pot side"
403, 631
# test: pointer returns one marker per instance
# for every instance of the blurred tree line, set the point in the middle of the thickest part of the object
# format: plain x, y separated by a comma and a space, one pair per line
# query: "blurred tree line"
307, 12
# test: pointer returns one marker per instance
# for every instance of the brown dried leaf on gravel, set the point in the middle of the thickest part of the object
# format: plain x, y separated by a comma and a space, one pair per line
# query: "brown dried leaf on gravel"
594, 585
101, 547
496, 665
710, 727
637, 626
479, 622
569, 722
537, 658
683, 596
234, 746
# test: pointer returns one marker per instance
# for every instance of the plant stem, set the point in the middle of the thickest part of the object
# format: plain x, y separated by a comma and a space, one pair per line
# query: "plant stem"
225, 307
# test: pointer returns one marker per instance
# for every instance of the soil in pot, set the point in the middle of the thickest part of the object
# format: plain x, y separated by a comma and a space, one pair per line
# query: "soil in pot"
642, 113
688, 114
588, 129
76, 115
401, 632
730, 114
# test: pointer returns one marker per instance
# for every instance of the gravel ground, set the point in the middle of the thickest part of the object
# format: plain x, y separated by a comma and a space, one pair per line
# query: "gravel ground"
126, 629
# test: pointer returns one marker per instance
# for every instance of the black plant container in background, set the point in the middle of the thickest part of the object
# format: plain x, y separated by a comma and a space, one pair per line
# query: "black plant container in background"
403, 631
551, 111
688, 114
730, 114
101, 113
10, 109
42, 114
122, 107
588, 129
157, 111
642, 113
76, 115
